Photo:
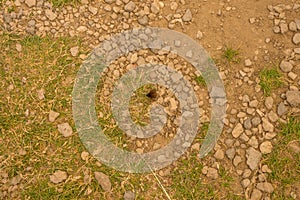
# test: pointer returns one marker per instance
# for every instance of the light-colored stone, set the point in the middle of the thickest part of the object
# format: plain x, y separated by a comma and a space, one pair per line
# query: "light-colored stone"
230, 153
256, 194
93, 10
219, 154
295, 146
248, 62
293, 98
30, 3
253, 158
130, 6
103, 181
65, 129
283, 28
292, 26
266, 147
74, 51
286, 66
53, 115
50, 15
237, 131
269, 103
187, 16
129, 195
19, 47
212, 173
296, 38
281, 109
265, 187
58, 176
267, 126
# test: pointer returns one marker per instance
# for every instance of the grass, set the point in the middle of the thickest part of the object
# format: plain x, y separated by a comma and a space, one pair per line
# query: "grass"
60, 3
285, 163
231, 54
200, 80
270, 79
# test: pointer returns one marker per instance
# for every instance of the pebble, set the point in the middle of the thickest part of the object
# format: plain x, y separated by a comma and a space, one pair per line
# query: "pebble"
256, 194
295, 146
237, 160
266, 147
297, 21
19, 47
30, 3
296, 38
283, 28
253, 142
130, 6
245, 183
50, 15
173, 6
84, 155
93, 10
292, 75
253, 158
293, 97
219, 154
265, 187
74, 51
237, 131
65, 129
129, 195
103, 181
155, 7
82, 29
292, 26
269, 103
230, 153
256, 121
273, 117
143, 20
187, 16
281, 109
41, 94
267, 126
212, 173
286, 66
248, 62
53, 115
58, 176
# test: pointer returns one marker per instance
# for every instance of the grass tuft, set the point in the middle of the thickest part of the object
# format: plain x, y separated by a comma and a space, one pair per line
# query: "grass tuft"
231, 55
270, 79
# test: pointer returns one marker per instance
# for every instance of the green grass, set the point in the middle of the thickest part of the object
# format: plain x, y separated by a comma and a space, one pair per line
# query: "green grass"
284, 163
200, 80
270, 79
231, 54
59, 3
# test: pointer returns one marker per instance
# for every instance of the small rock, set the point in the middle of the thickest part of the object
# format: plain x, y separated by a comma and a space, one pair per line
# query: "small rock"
253, 142
50, 15
283, 28
187, 16
230, 153
143, 20
154, 7
269, 103
297, 21
30, 3
245, 183
276, 29
293, 97
103, 181
267, 126
281, 109
247, 124
265, 187
129, 195
58, 176
82, 29
109, 1
256, 121
18, 47
53, 115
296, 38
212, 173
248, 63
253, 158
237, 160
252, 20
273, 117
292, 75
294, 146
93, 10
237, 131
65, 129
15, 180
286, 66
130, 6
219, 154
266, 147
292, 26
84, 155
74, 51
199, 35
41, 94
256, 194
173, 6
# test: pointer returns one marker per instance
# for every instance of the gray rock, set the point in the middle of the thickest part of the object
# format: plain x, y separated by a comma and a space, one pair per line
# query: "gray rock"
265, 187
269, 102
130, 6
253, 158
256, 194
65, 129
247, 124
296, 38
30, 3
256, 121
129, 195
143, 20
281, 109
230, 153
293, 97
286, 66
103, 181
187, 16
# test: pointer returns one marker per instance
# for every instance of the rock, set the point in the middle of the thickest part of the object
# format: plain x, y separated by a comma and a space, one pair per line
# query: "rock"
130, 6
154, 7
173, 6
58, 176
281, 109
276, 29
245, 183
93, 10
109, 1
256, 194
294, 146
269, 103
199, 35
292, 75
248, 63
230, 153
273, 117
247, 124
253, 158
297, 21
286, 66
173, 104
65, 129
219, 154
74, 51
41, 94
212, 173
252, 20
143, 20
238, 130
30, 3
256, 121
84, 155
103, 181
253, 142
283, 28
293, 97
292, 26
82, 29
129, 195
15, 180
266, 147
237, 160
265, 187
53, 115
50, 15
267, 126
19, 47
187, 16
84, 2
296, 38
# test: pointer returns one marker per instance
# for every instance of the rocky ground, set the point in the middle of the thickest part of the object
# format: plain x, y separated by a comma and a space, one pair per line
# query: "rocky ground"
256, 47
